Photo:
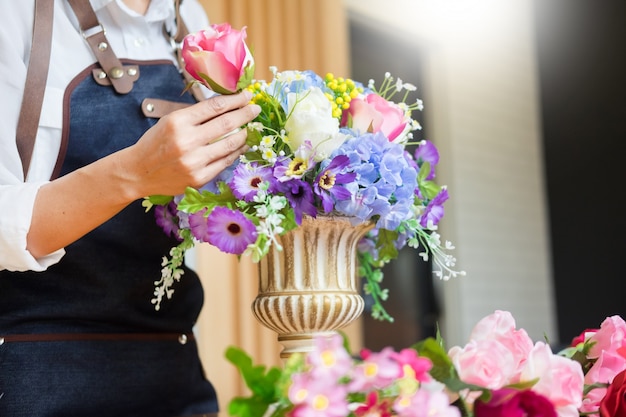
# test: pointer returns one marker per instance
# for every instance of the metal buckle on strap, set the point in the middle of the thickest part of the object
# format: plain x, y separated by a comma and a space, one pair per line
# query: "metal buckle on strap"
87, 33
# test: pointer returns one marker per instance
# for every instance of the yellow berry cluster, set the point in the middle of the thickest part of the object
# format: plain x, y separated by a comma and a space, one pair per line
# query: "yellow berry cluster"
343, 91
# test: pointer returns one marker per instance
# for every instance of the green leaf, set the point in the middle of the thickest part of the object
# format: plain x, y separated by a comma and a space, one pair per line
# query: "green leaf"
386, 245
194, 200
156, 200
443, 369
261, 383
429, 189
246, 78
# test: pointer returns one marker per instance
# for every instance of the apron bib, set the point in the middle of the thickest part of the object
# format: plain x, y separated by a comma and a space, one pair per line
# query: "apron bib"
104, 284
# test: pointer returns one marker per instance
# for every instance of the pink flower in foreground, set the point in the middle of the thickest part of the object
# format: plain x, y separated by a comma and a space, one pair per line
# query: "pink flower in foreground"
610, 337
560, 379
500, 326
614, 402
317, 397
419, 367
329, 357
487, 363
375, 114
378, 370
374, 407
509, 402
425, 403
219, 58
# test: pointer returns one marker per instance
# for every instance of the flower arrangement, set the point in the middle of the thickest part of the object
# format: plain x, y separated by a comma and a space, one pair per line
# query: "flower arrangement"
320, 146
500, 372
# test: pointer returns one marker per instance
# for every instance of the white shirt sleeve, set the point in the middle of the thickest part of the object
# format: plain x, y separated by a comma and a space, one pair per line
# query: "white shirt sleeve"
71, 55
16, 196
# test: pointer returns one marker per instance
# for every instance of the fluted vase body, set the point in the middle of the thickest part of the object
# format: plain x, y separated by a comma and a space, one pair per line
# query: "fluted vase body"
311, 286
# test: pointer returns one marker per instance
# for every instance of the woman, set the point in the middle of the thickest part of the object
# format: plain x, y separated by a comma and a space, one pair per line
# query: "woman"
79, 335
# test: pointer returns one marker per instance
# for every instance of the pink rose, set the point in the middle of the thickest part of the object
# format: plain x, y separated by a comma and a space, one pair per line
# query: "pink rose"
375, 114
560, 379
500, 326
614, 402
610, 337
606, 366
487, 363
509, 402
219, 58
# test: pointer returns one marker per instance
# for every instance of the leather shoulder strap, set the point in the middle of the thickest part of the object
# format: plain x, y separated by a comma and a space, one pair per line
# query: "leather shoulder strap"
94, 34
36, 77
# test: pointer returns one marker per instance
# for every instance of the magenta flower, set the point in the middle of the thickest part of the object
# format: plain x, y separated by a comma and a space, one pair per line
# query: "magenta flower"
230, 231
247, 178
374, 406
419, 365
508, 402
328, 183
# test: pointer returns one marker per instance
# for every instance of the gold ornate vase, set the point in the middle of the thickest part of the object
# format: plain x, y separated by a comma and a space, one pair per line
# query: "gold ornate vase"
311, 286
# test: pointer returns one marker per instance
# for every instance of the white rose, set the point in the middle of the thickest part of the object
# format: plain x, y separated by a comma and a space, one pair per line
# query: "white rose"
310, 119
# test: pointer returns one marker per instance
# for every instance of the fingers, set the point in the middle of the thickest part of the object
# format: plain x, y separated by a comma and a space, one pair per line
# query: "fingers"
208, 109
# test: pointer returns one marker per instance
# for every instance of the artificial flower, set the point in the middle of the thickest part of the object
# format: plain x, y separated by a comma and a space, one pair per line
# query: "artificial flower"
509, 402
614, 402
219, 58
311, 154
427, 380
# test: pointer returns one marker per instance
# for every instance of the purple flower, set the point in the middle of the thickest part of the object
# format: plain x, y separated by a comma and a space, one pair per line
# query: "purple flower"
167, 219
300, 197
427, 152
434, 210
247, 178
328, 182
229, 230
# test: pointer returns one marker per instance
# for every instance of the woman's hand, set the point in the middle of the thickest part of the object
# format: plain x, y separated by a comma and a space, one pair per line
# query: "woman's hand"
182, 149
185, 148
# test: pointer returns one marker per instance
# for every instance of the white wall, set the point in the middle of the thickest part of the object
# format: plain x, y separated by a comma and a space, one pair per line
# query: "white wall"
481, 93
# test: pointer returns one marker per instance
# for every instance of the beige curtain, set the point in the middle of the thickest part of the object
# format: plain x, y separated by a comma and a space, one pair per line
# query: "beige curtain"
288, 34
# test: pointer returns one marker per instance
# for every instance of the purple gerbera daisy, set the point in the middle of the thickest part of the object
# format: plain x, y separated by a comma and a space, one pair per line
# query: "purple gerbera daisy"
228, 230
247, 178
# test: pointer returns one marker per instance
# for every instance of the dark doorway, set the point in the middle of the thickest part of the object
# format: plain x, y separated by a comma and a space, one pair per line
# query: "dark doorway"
581, 48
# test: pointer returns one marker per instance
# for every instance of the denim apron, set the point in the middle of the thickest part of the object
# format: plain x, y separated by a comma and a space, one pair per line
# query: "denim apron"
142, 362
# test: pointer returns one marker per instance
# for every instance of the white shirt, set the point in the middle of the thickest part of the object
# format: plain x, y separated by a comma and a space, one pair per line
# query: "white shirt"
141, 39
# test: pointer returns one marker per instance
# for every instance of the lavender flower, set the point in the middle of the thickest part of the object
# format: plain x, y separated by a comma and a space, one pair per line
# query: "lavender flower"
247, 178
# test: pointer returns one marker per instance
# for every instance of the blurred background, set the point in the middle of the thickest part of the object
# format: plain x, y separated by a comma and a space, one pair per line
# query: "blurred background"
526, 101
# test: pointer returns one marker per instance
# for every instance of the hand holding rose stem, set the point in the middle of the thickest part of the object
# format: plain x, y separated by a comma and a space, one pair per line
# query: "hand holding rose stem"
176, 153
